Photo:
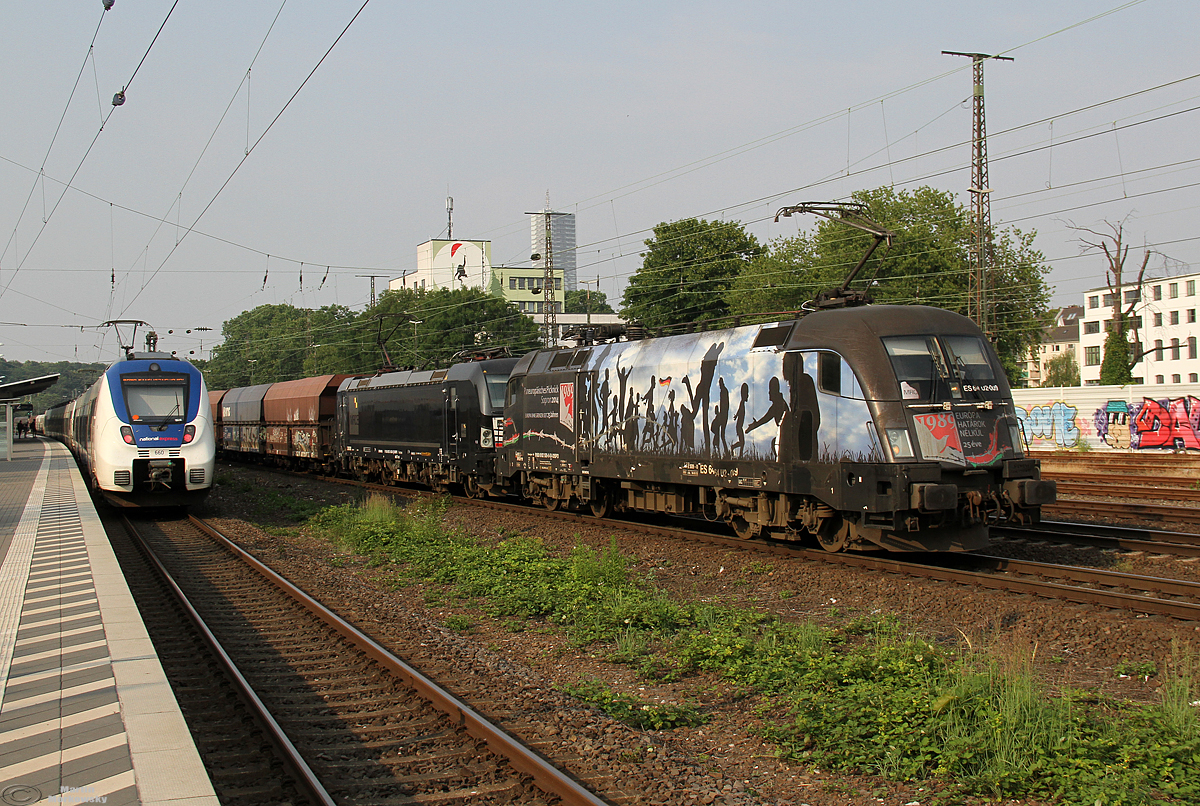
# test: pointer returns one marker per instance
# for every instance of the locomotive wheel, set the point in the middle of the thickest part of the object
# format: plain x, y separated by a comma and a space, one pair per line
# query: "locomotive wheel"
472, 489
550, 503
834, 535
600, 504
744, 528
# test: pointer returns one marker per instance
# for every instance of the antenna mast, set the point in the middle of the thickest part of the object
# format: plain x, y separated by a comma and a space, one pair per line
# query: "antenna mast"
979, 305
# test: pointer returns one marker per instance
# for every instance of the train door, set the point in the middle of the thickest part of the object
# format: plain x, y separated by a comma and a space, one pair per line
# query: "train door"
585, 391
450, 427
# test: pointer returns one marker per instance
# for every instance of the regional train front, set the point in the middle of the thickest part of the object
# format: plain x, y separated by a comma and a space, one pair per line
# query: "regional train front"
150, 439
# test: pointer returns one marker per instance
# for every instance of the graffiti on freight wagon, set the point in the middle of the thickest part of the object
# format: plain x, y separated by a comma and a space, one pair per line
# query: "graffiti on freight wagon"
1149, 424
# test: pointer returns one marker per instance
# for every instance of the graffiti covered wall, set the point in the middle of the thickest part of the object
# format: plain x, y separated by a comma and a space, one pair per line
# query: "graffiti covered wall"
1150, 417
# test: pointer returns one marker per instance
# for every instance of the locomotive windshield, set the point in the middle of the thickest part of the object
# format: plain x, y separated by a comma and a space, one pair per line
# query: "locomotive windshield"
496, 384
156, 398
934, 369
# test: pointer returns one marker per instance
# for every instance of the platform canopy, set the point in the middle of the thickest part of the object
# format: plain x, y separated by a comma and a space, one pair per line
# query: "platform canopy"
30, 386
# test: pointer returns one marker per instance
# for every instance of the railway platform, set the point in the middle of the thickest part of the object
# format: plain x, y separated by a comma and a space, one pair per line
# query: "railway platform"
86, 713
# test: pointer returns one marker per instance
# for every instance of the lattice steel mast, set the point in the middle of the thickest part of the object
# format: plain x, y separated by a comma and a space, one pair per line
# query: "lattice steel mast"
979, 281
549, 315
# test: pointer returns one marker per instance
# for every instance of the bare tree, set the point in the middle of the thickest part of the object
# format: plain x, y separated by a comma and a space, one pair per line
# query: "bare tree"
1119, 359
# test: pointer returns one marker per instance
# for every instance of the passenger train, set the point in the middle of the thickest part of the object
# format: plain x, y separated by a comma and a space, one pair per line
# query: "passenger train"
865, 427
142, 433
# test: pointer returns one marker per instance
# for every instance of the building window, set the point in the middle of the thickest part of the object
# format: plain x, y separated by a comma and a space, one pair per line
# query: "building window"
1091, 327
1158, 320
1158, 351
1173, 290
1174, 317
1176, 379
1193, 377
1191, 346
1191, 316
512, 283
1132, 296
1191, 288
1159, 379
1093, 302
1058, 348
1174, 349
1158, 292
1091, 356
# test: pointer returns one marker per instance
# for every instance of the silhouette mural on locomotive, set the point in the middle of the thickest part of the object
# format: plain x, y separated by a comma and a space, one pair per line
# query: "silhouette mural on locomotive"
806, 426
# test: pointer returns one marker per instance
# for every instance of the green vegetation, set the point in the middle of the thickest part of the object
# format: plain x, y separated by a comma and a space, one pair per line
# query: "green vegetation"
410, 327
864, 696
636, 712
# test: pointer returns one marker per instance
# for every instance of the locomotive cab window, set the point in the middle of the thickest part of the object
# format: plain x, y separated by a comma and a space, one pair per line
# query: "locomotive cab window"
155, 398
495, 388
938, 369
968, 357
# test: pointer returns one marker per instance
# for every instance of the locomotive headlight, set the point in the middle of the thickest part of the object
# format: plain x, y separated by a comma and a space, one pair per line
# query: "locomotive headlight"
189, 433
127, 434
900, 443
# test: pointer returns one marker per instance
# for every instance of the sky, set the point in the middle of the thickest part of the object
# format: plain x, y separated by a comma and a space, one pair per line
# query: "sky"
282, 151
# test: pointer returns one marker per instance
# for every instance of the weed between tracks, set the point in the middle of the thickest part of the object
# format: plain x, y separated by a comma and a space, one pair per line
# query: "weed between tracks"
865, 696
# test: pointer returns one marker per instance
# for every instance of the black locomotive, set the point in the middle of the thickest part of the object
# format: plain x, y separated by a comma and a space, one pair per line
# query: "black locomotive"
436, 428
867, 427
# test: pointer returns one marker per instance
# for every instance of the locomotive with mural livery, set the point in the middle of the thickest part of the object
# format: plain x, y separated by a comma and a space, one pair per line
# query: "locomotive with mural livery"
867, 427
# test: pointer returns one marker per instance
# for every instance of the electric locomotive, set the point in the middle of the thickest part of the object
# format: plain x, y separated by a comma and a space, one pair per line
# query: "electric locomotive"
432, 427
868, 427
142, 433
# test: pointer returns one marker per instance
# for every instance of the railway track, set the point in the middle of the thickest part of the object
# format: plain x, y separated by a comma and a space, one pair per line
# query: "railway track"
363, 726
1125, 509
244, 766
1121, 591
1142, 594
1151, 541
1087, 484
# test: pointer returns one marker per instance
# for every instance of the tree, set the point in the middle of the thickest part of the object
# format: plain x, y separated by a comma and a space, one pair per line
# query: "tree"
1116, 368
426, 328
686, 269
927, 264
585, 301
1062, 370
262, 345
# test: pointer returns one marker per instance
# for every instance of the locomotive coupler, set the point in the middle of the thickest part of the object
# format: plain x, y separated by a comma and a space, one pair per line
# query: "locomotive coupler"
160, 472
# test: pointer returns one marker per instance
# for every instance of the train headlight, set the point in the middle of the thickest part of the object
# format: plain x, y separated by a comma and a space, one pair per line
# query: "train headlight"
900, 444
127, 434
189, 433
